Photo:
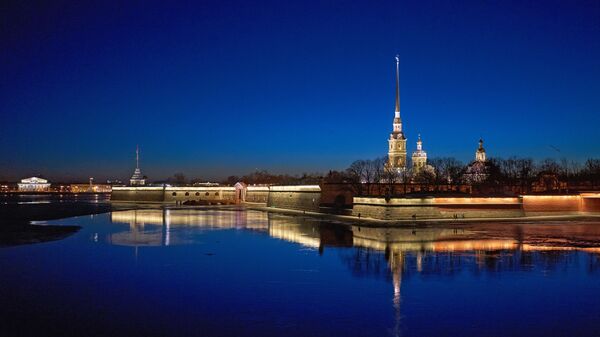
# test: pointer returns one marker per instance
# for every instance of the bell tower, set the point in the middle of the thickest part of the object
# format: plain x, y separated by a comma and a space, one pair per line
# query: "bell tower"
480, 153
419, 157
397, 141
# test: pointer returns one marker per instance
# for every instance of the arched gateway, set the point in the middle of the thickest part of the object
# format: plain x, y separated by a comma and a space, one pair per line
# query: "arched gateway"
240, 192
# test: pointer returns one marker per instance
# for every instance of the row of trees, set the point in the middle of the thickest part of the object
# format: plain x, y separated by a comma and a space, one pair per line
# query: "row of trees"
513, 171
364, 174
264, 177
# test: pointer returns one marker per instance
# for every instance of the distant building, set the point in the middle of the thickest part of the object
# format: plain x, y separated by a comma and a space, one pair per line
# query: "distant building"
478, 171
90, 188
115, 182
137, 179
397, 141
419, 161
34, 184
419, 157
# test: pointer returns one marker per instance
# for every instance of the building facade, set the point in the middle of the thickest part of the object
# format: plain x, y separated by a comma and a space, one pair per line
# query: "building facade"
33, 184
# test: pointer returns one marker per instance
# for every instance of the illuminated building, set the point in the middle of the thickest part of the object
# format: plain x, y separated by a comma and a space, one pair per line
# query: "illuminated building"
480, 153
397, 141
478, 171
34, 184
419, 157
137, 179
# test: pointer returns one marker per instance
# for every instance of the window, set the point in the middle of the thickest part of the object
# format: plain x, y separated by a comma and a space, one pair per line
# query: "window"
174, 193
187, 194
207, 193
216, 193
197, 193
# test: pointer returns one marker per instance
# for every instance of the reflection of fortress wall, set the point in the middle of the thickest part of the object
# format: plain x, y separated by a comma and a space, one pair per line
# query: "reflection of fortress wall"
305, 198
191, 217
435, 208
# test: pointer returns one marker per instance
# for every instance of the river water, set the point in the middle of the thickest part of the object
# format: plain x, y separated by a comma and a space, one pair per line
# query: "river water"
236, 272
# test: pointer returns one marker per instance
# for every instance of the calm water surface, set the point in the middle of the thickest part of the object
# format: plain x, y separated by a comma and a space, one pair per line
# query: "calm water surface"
234, 272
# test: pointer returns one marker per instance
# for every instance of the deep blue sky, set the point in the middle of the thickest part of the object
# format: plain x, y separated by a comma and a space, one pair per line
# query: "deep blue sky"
213, 89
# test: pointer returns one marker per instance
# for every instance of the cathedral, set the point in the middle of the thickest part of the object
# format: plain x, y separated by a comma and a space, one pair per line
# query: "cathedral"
478, 171
397, 141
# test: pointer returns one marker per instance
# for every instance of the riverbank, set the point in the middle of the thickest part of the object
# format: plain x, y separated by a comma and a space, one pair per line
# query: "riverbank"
16, 219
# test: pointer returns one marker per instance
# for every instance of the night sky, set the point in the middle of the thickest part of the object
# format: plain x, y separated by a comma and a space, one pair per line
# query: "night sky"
219, 88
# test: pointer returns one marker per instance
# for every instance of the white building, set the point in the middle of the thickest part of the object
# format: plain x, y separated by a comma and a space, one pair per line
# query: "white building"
34, 184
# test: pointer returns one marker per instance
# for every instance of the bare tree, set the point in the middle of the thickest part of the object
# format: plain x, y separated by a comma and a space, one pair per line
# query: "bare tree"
391, 176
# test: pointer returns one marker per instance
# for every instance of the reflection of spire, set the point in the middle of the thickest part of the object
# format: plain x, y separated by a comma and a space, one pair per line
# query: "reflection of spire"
396, 266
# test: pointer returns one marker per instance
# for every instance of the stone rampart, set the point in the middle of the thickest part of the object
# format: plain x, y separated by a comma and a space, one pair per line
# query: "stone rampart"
304, 197
437, 208
138, 194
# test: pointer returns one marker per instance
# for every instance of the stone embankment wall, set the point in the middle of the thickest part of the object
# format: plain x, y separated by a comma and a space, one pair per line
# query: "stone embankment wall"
535, 205
257, 194
214, 195
304, 198
138, 194
309, 198
437, 208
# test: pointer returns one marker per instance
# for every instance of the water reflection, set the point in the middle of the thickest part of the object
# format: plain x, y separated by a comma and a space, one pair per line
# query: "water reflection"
393, 254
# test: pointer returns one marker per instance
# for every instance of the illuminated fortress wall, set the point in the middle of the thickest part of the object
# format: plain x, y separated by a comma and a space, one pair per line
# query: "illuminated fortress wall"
437, 208
257, 194
304, 198
590, 203
551, 204
208, 194
308, 198
138, 194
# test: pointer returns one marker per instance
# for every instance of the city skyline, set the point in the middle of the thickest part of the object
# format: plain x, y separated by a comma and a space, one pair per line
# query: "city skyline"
310, 96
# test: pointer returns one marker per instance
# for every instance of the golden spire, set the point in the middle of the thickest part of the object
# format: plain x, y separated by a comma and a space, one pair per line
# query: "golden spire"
398, 84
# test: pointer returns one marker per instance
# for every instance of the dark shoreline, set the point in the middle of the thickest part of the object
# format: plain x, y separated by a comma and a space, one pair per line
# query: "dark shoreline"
15, 220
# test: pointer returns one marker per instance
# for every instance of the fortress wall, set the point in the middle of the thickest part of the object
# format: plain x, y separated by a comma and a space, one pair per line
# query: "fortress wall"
257, 194
209, 194
551, 204
436, 208
305, 197
590, 202
137, 194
